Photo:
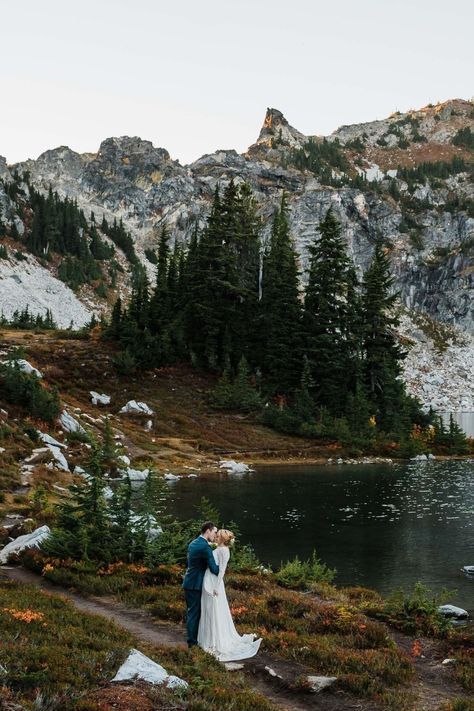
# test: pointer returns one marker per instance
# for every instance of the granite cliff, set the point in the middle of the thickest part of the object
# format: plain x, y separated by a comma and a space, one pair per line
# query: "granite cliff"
408, 178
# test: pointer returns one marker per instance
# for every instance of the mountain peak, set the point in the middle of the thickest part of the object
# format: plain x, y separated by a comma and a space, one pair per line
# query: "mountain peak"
276, 129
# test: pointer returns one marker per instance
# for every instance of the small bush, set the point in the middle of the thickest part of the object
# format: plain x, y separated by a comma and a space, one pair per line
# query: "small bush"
26, 390
238, 394
417, 612
125, 363
298, 574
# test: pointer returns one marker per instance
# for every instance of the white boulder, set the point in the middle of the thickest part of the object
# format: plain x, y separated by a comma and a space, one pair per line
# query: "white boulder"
171, 477
468, 569
70, 424
318, 683
138, 666
99, 399
40, 454
452, 611
47, 439
133, 407
136, 474
59, 457
233, 467
148, 523
24, 366
29, 540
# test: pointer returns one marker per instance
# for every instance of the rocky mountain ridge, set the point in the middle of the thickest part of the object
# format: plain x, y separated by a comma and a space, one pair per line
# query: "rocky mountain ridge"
408, 178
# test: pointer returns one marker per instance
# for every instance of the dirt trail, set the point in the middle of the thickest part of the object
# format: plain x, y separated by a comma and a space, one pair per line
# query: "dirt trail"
144, 627
431, 685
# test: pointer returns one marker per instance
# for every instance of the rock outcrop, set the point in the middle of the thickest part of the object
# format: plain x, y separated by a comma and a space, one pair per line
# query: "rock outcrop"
427, 220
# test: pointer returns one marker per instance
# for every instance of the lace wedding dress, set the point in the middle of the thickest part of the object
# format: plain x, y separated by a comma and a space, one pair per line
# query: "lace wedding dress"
217, 634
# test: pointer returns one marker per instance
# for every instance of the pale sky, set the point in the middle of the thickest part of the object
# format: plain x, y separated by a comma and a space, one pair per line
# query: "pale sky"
194, 76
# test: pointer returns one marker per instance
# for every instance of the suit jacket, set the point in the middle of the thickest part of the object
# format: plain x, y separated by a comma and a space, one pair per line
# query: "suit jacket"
200, 558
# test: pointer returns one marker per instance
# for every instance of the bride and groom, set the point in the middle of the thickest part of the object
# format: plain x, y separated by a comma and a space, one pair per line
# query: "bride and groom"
209, 620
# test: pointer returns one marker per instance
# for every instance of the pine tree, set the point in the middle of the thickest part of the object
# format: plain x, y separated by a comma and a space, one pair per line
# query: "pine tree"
329, 318
381, 350
281, 309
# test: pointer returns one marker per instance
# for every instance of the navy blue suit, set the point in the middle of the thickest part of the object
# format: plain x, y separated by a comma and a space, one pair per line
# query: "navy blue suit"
200, 558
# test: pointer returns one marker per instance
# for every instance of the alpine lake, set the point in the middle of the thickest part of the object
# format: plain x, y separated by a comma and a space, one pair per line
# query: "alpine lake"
382, 526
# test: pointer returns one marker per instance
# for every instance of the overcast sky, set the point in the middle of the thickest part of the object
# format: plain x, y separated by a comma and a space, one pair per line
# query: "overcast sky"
197, 75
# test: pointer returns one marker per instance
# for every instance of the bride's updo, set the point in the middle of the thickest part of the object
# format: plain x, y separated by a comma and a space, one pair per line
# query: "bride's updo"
225, 537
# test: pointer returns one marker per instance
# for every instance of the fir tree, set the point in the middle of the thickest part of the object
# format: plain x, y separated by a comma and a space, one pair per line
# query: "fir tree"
329, 317
382, 352
281, 309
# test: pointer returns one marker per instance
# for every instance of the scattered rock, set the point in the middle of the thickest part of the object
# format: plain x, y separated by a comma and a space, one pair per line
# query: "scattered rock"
70, 424
47, 439
99, 399
138, 666
29, 540
273, 673
24, 366
171, 477
233, 467
149, 426
318, 683
445, 662
135, 474
59, 457
468, 569
233, 666
3, 414
132, 407
148, 523
452, 611
123, 459
40, 454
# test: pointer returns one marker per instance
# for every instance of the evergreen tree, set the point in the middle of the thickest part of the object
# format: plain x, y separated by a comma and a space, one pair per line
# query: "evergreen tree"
329, 318
281, 309
382, 352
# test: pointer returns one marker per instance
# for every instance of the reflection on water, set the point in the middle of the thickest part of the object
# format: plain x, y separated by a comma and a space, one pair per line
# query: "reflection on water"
379, 525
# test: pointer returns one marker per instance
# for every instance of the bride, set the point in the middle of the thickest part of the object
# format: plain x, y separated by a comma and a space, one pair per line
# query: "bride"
217, 634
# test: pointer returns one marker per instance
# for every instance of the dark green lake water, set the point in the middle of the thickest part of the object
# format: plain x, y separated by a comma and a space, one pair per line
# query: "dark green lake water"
382, 526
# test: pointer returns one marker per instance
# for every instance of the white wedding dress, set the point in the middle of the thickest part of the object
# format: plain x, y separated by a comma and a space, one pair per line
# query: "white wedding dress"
217, 634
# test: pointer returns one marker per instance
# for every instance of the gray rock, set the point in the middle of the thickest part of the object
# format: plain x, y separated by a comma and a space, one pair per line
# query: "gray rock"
133, 407
318, 683
233, 666
29, 540
24, 366
99, 399
70, 424
452, 611
47, 439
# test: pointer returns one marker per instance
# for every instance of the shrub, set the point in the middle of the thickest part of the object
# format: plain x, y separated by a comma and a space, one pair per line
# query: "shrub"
297, 574
125, 363
417, 612
26, 390
238, 394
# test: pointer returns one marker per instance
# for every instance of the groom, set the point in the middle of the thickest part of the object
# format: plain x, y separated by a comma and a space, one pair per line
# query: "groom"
199, 559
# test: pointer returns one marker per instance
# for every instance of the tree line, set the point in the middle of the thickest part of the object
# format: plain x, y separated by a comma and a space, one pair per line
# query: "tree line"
234, 306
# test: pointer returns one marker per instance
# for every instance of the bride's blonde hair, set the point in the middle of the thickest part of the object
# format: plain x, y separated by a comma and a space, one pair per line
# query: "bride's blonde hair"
225, 537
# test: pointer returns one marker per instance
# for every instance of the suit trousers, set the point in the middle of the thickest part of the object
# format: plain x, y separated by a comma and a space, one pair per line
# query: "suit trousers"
193, 614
